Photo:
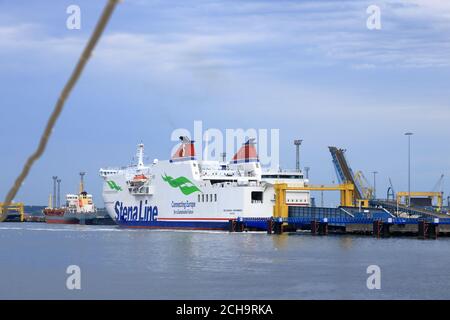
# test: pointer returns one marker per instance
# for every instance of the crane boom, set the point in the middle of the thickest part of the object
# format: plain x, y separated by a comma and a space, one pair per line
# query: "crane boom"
439, 186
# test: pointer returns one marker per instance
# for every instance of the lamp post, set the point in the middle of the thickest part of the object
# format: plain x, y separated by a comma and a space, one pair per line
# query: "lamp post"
307, 172
409, 134
297, 144
374, 184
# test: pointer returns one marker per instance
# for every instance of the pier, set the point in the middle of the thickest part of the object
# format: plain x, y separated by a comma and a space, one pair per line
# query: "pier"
422, 228
360, 212
380, 218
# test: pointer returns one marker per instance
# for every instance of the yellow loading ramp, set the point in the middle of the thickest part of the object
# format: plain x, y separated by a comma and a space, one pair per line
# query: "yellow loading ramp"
438, 195
14, 207
280, 209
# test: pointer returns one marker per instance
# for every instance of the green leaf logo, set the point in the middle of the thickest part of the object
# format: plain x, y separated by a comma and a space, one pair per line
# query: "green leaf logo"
113, 185
186, 186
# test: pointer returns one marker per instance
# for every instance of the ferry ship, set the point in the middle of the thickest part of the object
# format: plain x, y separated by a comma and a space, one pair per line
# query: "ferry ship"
79, 209
186, 193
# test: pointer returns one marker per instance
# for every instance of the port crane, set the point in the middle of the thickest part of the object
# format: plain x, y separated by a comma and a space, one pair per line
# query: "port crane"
353, 188
439, 186
390, 191
366, 189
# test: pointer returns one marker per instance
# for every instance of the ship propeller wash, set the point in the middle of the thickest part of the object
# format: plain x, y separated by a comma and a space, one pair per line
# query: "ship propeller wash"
185, 193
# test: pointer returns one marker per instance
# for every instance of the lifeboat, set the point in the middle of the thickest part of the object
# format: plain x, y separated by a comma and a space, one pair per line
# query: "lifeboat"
140, 178
137, 181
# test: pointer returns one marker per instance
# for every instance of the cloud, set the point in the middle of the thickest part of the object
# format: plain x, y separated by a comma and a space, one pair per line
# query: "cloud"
260, 34
27, 46
176, 51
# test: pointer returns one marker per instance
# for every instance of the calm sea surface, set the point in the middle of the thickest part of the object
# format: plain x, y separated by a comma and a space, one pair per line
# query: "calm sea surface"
148, 264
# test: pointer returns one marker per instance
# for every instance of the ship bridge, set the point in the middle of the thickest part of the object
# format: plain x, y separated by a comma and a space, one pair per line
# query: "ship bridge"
220, 173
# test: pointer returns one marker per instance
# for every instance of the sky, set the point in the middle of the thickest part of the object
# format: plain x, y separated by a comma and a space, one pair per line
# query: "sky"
311, 69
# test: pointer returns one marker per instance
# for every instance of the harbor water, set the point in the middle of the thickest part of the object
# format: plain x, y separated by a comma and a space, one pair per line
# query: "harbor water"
159, 264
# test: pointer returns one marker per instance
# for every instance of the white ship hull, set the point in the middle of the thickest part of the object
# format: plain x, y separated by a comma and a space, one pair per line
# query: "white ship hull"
185, 195
168, 206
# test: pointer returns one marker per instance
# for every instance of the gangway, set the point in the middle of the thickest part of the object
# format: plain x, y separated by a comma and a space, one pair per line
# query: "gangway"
432, 195
345, 175
436, 193
396, 207
281, 208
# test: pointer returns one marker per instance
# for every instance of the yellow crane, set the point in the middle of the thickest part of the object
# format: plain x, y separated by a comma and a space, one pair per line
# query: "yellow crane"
367, 192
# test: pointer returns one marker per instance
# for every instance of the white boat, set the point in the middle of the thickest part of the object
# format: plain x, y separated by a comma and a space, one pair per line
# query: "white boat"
186, 193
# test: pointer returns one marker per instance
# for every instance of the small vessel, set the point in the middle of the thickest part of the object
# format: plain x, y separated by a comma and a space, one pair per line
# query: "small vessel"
79, 208
185, 193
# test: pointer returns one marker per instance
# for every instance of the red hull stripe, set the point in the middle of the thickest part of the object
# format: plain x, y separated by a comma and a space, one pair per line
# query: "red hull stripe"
61, 222
170, 228
196, 219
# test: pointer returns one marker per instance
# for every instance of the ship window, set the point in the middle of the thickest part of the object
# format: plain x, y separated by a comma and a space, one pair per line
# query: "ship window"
207, 196
215, 197
257, 197
198, 198
203, 198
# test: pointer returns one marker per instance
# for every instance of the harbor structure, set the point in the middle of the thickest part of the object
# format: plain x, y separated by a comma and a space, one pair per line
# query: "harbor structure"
185, 193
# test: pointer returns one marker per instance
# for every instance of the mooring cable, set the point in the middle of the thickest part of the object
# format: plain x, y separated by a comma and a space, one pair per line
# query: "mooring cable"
85, 55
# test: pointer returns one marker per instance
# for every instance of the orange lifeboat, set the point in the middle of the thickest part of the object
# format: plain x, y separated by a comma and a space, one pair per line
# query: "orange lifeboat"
140, 178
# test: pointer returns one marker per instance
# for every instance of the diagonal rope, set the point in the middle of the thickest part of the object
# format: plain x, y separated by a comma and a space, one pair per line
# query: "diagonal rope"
99, 28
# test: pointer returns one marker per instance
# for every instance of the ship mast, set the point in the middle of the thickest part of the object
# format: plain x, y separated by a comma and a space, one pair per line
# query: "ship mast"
58, 202
50, 201
54, 191
82, 174
140, 155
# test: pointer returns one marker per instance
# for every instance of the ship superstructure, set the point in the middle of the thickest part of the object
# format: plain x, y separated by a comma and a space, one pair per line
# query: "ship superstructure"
78, 209
183, 192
